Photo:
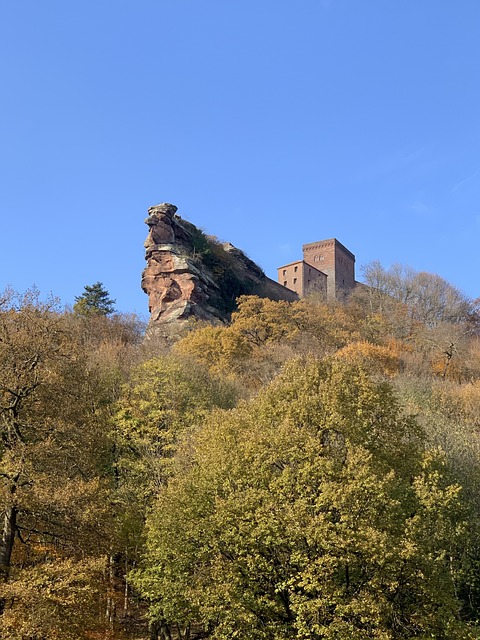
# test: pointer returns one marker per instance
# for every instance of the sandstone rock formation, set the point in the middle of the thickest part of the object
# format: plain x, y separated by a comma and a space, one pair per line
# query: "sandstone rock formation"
189, 274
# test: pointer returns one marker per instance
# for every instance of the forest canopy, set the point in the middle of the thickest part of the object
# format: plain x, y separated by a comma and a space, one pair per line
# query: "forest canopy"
308, 471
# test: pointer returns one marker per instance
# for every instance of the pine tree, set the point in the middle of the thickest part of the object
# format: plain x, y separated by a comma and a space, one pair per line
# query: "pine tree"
95, 300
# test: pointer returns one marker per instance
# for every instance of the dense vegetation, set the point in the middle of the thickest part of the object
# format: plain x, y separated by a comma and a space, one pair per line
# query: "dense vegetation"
309, 471
231, 281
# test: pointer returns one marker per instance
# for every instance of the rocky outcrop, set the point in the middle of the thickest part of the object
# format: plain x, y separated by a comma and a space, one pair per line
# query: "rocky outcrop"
191, 275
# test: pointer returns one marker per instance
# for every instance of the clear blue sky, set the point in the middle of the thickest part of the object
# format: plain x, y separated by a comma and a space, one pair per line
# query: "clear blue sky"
269, 123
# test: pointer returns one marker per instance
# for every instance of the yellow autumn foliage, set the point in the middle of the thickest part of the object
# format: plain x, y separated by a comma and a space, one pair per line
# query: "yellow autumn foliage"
376, 358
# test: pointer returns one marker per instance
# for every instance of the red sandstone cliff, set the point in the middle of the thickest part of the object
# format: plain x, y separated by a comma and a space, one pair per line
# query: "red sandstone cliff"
189, 274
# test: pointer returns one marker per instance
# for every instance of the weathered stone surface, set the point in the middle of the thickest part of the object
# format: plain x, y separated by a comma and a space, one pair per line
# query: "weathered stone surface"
190, 275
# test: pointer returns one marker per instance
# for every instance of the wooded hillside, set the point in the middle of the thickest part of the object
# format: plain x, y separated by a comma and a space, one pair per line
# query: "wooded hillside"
307, 471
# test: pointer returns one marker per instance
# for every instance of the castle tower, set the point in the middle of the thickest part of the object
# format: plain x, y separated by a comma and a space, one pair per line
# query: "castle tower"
336, 261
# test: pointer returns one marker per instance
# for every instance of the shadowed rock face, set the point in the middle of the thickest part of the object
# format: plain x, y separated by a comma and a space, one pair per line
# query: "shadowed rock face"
190, 275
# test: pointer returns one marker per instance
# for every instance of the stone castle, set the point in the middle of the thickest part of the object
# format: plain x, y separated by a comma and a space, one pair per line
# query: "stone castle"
328, 268
190, 275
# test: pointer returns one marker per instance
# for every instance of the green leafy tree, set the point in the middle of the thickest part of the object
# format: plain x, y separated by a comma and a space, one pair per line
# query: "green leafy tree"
95, 300
310, 512
165, 399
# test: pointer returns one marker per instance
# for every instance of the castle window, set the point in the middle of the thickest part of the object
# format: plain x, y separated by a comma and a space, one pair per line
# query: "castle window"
296, 269
294, 281
285, 283
284, 272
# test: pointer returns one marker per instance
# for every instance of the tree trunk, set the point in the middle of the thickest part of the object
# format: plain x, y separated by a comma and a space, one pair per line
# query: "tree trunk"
8, 538
111, 610
6, 548
126, 589
154, 630
159, 627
